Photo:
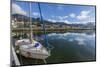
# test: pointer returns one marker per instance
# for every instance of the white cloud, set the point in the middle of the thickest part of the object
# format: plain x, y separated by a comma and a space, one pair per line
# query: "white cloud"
62, 17
83, 15
52, 20
72, 15
91, 19
16, 9
59, 19
83, 18
35, 14
66, 21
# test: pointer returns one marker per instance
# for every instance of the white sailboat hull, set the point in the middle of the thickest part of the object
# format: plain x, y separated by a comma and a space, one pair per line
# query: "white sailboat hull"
33, 54
29, 51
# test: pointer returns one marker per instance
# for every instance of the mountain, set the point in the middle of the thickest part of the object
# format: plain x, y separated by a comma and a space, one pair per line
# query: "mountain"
20, 17
37, 21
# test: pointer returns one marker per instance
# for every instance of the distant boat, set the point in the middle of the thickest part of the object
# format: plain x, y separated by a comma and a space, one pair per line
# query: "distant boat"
31, 48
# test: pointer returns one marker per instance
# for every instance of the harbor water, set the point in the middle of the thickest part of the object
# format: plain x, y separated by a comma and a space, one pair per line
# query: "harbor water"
68, 47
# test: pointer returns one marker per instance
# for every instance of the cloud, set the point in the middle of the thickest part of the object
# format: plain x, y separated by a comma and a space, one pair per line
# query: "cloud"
72, 15
59, 18
79, 22
87, 17
66, 21
35, 14
91, 19
62, 17
83, 15
52, 20
16, 9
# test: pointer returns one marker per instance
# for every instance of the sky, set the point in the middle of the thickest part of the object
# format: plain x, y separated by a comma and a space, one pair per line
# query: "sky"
67, 13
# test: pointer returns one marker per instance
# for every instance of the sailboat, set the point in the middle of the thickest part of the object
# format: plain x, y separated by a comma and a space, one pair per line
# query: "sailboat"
31, 48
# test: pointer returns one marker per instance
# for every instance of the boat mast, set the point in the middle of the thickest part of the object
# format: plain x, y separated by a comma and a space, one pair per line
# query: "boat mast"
41, 20
31, 33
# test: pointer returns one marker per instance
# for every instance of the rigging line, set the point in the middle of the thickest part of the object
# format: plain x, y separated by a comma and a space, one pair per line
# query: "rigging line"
31, 31
41, 20
21, 36
30, 22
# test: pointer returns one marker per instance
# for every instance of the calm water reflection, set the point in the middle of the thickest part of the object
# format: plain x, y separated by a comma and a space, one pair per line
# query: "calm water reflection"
68, 47
71, 47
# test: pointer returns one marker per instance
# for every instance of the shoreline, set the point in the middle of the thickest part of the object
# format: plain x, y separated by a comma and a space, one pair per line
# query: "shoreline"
48, 29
